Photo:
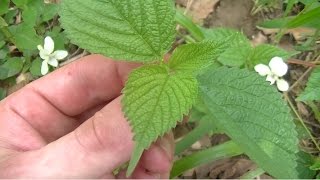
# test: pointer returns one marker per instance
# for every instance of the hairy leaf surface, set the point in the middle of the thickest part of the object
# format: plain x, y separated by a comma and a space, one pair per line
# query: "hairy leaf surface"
193, 57
132, 30
312, 91
254, 115
155, 99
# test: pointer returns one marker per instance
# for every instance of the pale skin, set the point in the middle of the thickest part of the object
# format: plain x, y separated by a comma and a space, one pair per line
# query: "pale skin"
69, 124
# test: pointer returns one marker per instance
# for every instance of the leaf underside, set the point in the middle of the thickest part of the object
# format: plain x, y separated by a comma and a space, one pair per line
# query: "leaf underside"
312, 91
132, 30
155, 99
253, 114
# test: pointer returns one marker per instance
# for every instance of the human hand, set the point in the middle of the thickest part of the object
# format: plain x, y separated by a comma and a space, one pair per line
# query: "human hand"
69, 124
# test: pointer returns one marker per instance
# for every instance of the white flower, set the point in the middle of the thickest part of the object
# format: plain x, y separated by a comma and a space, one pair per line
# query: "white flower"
49, 57
274, 72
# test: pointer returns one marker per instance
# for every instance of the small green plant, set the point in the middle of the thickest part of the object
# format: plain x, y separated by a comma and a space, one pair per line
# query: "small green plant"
158, 94
218, 79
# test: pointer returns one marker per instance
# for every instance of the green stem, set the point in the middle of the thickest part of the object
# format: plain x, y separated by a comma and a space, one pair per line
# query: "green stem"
225, 150
203, 128
301, 121
253, 174
4, 29
187, 23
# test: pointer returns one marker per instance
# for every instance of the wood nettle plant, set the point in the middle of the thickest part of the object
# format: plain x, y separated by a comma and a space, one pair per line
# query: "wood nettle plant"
218, 71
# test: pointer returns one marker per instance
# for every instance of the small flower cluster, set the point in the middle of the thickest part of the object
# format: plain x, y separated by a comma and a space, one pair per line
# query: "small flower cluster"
49, 56
274, 72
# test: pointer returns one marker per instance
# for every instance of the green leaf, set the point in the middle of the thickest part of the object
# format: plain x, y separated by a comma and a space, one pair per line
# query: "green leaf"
35, 68
155, 99
49, 12
25, 37
254, 115
3, 23
309, 19
4, 6
205, 126
10, 16
21, 3
187, 23
193, 57
237, 47
312, 91
3, 93
230, 36
226, 150
10, 68
265, 52
305, 160
236, 56
141, 30
31, 13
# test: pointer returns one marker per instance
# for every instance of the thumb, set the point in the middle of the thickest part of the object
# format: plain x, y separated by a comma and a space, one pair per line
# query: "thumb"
96, 148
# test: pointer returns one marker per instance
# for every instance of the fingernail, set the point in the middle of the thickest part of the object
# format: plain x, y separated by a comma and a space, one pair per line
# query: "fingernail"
165, 144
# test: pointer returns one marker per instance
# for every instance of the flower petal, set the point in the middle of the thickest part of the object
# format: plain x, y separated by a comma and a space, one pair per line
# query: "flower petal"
44, 68
43, 55
40, 48
60, 54
282, 85
271, 79
48, 44
262, 69
278, 67
53, 62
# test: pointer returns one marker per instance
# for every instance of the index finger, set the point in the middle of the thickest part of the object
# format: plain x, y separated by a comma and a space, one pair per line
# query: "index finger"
45, 109
81, 85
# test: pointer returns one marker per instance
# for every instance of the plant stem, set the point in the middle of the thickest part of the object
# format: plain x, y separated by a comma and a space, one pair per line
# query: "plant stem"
187, 23
4, 29
252, 174
225, 150
301, 121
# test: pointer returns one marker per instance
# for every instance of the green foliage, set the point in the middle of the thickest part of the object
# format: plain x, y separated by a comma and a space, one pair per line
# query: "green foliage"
3, 93
25, 37
238, 51
155, 98
35, 68
21, 3
37, 12
222, 151
186, 22
312, 91
238, 56
305, 162
4, 6
131, 30
11, 67
191, 58
249, 110
230, 37
206, 126
265, 52
305, 19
